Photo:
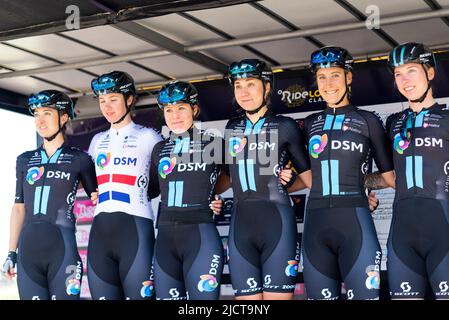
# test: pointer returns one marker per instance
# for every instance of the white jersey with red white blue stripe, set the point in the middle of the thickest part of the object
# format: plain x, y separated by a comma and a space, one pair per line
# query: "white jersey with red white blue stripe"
122, 163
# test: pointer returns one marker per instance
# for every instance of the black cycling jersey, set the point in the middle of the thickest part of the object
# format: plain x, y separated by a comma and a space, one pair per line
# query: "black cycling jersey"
418, 251
420, 144
260, 260
257, 152
187, 167
48, 185
342, 142
49, 265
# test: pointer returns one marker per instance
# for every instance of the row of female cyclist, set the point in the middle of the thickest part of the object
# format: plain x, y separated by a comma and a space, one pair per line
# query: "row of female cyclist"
130, 164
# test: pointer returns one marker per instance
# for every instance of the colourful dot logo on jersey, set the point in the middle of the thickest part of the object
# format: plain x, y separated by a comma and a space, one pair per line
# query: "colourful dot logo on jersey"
399, 144
207, 283
292, 269
166, 166
147, 289
73, 287
317, 144
373, 280
236, 145
103, 159
34, 174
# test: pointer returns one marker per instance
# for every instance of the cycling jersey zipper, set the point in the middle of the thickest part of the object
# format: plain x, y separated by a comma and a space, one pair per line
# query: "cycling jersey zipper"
41, 194
329, 160
246, 158
413, 152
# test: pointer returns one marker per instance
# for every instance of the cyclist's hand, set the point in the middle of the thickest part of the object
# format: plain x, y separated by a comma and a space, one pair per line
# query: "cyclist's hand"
94, 197
216, 205
373, 202
287, 177
9, 267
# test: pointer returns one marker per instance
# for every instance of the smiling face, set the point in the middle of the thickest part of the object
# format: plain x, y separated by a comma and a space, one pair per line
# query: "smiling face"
332, 86
46, 121
411, 80
249, 93
112, 106
179, 117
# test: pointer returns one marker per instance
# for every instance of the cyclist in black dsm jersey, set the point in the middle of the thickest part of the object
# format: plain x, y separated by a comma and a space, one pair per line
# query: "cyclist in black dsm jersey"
418, 244
188, 261
42, 220
339, 240
263, 262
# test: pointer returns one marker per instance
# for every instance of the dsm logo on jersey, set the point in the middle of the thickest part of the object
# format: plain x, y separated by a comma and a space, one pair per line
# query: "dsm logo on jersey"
191, 167
125, 161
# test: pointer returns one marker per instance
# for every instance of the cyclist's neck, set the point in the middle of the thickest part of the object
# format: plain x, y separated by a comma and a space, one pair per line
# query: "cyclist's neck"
256, 116
123, 123
427, 103
343, 103
50, 147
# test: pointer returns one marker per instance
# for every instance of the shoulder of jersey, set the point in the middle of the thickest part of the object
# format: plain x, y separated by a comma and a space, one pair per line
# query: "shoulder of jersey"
212, 132
148, 131
99, 134
368, 113
235, 120
313, 116
444, 108
28, 154
285, 119
161, 143
77, 151
396, 115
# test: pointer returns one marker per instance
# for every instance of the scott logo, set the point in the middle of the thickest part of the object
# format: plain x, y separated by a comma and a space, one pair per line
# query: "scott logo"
174, 292
405, 287
443, 286
326, 293
251, 283
350, 294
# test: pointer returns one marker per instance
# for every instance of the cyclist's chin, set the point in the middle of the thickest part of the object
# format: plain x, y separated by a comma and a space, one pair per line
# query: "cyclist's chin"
412, 95
249, 106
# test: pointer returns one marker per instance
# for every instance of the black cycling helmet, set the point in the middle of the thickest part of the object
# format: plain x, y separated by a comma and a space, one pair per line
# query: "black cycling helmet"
331, 56
177, 92
249, 68
52, 99
411, 52
115, 81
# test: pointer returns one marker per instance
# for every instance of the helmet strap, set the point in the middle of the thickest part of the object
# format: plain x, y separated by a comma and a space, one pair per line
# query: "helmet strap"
128, 109
345, 93
264, 101
52, 137
421, 99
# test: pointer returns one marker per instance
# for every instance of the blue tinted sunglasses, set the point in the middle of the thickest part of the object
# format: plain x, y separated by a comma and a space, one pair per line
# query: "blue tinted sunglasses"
37, 101
103, 84
177, 94
245, 67
328, 57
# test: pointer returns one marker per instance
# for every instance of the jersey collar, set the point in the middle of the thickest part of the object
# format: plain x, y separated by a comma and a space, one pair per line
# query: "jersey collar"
122, 131
339, 110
